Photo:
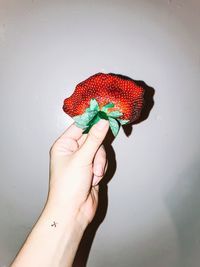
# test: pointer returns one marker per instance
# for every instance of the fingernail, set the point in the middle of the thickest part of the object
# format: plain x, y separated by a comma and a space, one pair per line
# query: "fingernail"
96, 180
99, 170
101, 124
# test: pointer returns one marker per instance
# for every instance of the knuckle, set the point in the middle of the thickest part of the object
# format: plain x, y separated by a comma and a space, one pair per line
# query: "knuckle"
95, 137
52, 149
101, 154
102, 151
102, 159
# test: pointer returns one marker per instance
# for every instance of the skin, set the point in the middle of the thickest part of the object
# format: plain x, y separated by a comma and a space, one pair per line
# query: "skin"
77, 164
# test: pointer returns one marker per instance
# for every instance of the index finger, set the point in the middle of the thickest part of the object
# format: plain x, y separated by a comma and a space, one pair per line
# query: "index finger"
72, 132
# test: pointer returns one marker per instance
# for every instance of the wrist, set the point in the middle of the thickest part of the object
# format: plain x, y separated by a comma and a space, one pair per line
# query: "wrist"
69, 216
54, 239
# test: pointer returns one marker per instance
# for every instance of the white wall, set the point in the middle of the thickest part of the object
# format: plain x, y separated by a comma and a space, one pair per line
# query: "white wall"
46, 48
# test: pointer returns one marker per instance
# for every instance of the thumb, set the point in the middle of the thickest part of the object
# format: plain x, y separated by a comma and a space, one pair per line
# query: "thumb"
94, 139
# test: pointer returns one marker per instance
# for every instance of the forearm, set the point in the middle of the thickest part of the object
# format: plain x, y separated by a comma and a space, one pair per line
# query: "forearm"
54, 240
72, 201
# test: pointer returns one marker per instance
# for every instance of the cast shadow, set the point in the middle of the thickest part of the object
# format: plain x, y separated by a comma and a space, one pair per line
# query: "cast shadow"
148, 103
88, 237
183, 202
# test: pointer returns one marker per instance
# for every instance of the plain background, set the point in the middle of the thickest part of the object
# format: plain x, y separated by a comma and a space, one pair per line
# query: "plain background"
46, 48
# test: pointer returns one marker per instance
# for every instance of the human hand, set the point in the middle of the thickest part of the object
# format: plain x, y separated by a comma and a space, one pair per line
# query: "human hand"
77, 164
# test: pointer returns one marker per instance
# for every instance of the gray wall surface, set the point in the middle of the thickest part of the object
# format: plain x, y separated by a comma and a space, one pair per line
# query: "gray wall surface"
46, 48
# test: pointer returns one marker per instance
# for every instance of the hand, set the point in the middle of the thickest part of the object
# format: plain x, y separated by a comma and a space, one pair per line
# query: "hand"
77, 164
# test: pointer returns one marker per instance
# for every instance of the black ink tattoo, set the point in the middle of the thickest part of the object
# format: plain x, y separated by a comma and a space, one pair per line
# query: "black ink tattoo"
54, 224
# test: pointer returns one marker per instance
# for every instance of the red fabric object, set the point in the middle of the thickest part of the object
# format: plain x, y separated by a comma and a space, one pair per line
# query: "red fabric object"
124, 93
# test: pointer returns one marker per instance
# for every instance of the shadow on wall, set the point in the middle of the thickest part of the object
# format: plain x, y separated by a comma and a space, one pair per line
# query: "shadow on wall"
183, 203
88, 237
148, 103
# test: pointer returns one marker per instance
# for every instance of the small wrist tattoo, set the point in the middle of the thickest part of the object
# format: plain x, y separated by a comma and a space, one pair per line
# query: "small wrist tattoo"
54, 224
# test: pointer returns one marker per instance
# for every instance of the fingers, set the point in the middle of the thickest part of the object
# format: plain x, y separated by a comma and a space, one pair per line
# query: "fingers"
96, 179
99, 161
72, 132
82, 140
93, 141
67, 142
99, 165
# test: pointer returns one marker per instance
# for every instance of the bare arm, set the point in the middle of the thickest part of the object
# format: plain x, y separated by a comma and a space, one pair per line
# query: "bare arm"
53, 241
77, 165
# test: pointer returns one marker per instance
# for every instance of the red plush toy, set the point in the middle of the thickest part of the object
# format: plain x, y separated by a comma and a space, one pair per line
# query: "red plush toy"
108, 96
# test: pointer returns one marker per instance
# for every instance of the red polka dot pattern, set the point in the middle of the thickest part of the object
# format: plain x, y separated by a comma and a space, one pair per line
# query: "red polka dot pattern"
126, 95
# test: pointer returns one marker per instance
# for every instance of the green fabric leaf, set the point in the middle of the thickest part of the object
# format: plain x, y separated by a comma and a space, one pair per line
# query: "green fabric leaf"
80, 126
107, 106
103, 115
123, 122
78, 120
94, 120
94, 104
87, 110
114, 125
91, 123
86, 130
85, 118
115, 114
